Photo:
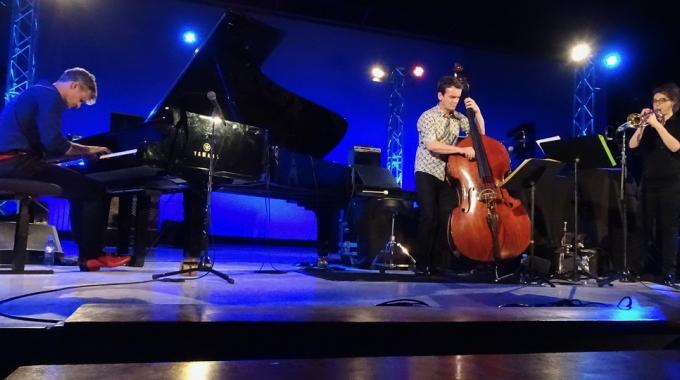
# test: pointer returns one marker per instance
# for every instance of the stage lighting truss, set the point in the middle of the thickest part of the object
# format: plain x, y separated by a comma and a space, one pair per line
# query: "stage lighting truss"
21, 63
395, 124
584, 99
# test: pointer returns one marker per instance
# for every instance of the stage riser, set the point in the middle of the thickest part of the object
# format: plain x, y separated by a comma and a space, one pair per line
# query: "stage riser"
586, 365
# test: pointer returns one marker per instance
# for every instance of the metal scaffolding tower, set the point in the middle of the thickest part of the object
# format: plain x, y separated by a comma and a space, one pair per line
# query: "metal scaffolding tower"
21, 63
584, 99
395, 125
21, 57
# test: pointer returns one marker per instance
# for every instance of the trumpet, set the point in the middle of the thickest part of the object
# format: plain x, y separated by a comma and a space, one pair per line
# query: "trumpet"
637, 120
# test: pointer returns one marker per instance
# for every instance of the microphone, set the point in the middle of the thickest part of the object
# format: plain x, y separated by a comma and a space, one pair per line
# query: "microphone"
624, 126
217, 110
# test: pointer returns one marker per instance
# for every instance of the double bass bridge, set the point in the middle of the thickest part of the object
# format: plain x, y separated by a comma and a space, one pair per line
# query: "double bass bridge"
488, 196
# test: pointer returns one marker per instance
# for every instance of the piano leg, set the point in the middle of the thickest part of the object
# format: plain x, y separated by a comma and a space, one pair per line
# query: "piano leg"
124, 224
326, 231
141, 229
195, 197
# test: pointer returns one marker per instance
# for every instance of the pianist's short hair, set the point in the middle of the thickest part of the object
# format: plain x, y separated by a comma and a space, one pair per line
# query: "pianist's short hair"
84, 77
672, 91
448, 81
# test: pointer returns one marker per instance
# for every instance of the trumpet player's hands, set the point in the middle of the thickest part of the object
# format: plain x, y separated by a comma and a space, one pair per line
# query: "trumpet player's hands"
650, 118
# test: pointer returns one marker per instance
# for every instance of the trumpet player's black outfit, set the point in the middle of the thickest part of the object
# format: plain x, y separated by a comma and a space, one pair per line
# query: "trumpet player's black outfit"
661, 196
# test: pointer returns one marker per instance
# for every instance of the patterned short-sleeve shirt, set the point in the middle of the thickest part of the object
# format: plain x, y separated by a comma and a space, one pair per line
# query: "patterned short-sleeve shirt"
435, 124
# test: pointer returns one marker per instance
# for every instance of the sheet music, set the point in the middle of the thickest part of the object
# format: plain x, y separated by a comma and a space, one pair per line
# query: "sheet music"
547, 139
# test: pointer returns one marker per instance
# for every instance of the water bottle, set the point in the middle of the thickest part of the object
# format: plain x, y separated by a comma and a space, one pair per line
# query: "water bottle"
50, 248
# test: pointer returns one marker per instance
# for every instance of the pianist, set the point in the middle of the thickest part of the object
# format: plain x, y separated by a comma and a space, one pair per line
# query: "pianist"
30, 126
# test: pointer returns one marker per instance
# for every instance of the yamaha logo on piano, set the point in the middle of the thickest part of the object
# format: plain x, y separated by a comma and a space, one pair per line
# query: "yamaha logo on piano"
206, 152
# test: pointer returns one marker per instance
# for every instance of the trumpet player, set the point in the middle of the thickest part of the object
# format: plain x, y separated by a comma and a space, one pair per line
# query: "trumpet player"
658, 139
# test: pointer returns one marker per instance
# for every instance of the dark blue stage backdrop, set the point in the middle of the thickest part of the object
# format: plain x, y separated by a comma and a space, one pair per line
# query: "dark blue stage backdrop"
136, 51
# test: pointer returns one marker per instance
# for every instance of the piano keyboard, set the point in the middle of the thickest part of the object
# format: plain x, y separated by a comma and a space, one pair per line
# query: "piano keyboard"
69, 161
118, 154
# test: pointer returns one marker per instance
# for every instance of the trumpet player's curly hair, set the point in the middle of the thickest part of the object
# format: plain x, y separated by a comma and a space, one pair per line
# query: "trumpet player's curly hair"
672, 91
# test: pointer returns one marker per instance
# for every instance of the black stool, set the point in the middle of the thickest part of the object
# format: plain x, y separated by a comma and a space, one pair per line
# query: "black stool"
25, 191
389, 257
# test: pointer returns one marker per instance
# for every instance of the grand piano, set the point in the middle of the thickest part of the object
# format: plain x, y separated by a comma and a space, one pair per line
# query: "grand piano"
269, 142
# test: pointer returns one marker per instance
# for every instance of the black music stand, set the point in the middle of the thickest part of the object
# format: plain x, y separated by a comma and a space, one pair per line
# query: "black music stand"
586, 152
525, 176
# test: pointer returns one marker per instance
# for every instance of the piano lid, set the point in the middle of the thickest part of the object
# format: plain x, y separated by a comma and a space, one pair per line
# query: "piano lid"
228, 63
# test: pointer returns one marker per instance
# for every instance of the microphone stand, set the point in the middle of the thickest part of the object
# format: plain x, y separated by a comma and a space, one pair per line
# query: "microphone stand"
204, 262
626, 276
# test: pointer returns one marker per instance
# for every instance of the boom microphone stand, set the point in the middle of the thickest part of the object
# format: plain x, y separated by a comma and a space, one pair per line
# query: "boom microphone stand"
204, 262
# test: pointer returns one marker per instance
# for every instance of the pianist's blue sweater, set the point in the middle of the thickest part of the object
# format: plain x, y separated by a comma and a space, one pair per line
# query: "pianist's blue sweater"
31, 122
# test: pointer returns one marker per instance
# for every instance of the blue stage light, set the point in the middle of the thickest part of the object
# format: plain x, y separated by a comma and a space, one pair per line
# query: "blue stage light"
611, 60
189, 37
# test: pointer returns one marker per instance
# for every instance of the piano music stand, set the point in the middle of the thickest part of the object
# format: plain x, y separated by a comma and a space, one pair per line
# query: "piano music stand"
525, 176
587, 152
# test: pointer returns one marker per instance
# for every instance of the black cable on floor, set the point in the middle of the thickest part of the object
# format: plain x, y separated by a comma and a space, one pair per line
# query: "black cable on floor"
45, 320
268, 213
404, 302
627, 302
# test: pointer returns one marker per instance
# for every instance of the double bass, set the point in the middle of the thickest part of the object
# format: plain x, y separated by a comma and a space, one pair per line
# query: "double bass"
488, 225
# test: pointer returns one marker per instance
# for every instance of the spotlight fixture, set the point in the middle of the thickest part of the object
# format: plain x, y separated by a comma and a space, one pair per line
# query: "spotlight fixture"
418, 71
611, 60
580, 52
189, 37
378, 73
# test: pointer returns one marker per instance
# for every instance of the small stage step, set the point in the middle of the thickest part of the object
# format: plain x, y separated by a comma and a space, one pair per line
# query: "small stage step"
575, 365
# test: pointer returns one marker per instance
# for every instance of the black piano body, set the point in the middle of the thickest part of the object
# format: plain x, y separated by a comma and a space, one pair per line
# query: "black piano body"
269, 142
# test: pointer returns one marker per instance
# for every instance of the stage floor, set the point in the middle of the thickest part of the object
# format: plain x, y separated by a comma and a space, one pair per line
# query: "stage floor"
271, 276
278, 308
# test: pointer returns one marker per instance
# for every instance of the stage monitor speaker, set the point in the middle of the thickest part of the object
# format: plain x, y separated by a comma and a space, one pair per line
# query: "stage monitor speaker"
37, 236
364, 155
374, 177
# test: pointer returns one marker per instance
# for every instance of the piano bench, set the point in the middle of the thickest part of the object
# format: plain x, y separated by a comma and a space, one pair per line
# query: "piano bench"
24, 191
